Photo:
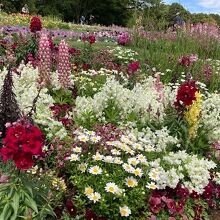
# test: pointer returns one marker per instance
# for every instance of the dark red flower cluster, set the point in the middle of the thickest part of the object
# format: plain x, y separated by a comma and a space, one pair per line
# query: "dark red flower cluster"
133, 67
60, 111
35, 24
186, 94
23, 141
163, 199
174, 200
90, 215
188, 60
90, 38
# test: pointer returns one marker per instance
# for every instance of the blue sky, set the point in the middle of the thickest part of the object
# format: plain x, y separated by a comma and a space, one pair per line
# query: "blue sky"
195, 6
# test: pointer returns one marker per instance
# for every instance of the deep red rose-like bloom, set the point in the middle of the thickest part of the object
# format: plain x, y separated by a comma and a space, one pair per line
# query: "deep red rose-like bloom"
35, 24
7, 153
186, 94
70, 207
133, 67
23, 160
22, 142
91, 39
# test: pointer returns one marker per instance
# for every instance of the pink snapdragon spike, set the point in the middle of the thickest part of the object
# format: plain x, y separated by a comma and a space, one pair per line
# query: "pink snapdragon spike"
44, 56
64, 67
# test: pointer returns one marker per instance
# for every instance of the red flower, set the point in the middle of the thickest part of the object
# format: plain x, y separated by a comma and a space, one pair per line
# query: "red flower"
22, 142
133, 67
182, 191
91, 39
171, 204
186, 94
70, 207
194, 195
85, 66
23, 160
90, 215
35, 24
7, 153
155, 204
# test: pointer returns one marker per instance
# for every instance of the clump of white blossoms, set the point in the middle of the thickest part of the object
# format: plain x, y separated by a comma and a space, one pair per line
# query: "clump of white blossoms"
210, 116
26, 89
143, 100
192, 171
123, 54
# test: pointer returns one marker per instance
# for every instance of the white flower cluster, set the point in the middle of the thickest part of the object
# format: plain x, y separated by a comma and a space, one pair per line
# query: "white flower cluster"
210, 116
143, 101
123, 54
26, 89
192, 171
155, 140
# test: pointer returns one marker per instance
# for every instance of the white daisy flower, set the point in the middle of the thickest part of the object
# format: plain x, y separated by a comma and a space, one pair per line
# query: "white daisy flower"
88, 191
95, 139
97, 156
95, 197
83, 138
128, 168
77, 149
137, 172
74, 157
115, 152
82, 167
108, 159
131, 182
112, 188
95, 170
133, 161
124, 211
151, 185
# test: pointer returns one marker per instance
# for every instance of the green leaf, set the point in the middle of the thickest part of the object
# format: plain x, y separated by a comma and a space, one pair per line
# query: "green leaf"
15, 205
31, 203
6, 212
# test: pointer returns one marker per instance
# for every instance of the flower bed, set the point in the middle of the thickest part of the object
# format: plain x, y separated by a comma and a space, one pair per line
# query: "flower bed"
98, 134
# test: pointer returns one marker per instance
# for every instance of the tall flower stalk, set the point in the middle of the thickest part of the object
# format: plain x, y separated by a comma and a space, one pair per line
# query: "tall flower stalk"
9, 109
64, 67
44, 55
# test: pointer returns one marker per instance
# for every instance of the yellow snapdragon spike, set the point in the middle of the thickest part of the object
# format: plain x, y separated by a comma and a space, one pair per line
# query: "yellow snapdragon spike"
192, 115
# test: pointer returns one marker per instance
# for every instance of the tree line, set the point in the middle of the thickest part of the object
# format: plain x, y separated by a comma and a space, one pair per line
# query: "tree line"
154, 13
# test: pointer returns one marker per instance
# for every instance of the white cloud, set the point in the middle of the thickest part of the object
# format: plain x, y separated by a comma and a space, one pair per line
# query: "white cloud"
211, 4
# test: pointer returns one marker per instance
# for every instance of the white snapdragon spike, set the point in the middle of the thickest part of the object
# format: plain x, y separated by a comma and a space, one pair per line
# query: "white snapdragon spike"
142, 101
124, 211
26, 89
210, 116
